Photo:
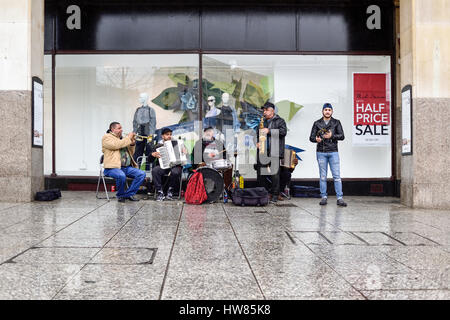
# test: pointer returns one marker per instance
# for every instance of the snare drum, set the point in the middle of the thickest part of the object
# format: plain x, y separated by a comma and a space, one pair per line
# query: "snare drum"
221, 165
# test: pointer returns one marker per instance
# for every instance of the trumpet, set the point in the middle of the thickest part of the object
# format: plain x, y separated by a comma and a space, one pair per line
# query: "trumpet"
138, 137
149, 138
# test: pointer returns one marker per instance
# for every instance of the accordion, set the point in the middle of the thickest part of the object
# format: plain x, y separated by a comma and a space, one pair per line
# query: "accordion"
289, 157
171, 156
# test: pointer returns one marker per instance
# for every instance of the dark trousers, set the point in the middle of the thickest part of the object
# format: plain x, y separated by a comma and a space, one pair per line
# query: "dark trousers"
174, 178
270, 182
285, 178
121, 175
141, 148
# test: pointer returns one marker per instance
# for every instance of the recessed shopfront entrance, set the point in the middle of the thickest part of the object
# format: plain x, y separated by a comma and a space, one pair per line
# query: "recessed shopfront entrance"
297, 55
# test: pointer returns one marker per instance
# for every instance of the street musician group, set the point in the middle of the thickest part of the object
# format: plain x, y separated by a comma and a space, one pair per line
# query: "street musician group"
274, 163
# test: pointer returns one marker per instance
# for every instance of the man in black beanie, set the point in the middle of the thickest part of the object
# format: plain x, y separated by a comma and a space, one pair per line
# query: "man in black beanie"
326, 132
275, 130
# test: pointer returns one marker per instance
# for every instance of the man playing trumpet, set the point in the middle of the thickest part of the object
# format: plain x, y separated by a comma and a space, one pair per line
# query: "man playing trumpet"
119, 163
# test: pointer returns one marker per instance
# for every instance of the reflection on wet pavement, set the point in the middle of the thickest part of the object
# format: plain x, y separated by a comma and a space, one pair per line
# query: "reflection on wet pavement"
79, 247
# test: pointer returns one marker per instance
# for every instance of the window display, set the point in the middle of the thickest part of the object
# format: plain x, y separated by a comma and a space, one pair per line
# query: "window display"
91, 91
94, 90
298, 86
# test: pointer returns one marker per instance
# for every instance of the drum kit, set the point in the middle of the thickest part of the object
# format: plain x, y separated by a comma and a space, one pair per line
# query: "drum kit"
213, 178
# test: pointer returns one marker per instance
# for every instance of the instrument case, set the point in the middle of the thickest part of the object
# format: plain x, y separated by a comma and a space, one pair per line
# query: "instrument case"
305, 192
250, 197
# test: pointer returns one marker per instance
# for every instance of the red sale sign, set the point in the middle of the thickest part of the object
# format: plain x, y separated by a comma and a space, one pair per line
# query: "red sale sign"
371, 109
371, 105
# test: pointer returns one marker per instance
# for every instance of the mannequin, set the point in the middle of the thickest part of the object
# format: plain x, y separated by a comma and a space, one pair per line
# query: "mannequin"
228, 115
225, 99
213, 111
144, 124
210, 119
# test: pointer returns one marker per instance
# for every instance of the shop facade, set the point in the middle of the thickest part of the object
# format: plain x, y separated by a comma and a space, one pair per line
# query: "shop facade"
99, 56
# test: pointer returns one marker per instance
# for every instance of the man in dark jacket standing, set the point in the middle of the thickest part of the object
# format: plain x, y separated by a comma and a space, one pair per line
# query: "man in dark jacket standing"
326, 132
275, 130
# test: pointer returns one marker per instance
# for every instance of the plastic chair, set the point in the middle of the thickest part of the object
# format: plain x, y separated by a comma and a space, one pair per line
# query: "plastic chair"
101, 176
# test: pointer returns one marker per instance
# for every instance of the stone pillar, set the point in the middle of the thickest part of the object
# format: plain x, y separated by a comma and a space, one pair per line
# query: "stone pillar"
425, 64
21, 58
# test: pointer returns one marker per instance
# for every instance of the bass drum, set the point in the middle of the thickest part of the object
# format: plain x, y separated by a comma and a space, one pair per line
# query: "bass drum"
213, 182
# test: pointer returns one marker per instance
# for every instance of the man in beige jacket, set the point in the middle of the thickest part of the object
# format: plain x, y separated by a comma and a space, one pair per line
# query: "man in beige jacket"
119, 163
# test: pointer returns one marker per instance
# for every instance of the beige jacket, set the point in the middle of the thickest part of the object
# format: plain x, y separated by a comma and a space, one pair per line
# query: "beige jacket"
111, 146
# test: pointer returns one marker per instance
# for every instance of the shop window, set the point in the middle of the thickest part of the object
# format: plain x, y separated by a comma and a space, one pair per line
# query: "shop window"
298, 85
94, 90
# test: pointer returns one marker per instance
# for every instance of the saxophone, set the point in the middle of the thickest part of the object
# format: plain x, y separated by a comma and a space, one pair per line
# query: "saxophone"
262, 137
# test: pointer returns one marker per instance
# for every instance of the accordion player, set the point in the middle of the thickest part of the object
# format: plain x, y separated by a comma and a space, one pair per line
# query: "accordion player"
171, 155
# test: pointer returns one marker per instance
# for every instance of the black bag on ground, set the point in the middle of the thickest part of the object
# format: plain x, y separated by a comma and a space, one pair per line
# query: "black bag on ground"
250, 197
305, 192
48, 195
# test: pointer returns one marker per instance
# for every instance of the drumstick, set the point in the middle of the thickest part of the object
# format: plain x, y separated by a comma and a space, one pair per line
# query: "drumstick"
221, 151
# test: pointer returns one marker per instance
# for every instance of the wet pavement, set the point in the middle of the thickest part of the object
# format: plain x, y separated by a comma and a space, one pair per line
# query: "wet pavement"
79, 247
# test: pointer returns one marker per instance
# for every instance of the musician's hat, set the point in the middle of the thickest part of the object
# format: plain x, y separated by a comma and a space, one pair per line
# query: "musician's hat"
165, 130
327, 105
268, 105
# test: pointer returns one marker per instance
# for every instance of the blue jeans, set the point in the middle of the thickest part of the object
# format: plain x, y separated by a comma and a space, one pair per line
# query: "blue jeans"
121, 175
332, 158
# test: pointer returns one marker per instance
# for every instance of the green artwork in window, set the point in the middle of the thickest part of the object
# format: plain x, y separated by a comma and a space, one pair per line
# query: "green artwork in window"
209, 90
179, 78
225, 87
266, 84
168, 99
237, 93
255, 95
287, 109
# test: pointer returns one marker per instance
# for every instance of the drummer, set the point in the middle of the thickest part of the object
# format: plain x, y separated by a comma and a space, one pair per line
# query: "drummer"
207, 150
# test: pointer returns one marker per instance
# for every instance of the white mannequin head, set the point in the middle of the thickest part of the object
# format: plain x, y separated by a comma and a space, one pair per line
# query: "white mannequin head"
225, 99
143, 99
211, 101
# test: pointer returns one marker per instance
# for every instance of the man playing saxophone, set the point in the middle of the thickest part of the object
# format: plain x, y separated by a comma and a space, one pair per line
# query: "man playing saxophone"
270, 150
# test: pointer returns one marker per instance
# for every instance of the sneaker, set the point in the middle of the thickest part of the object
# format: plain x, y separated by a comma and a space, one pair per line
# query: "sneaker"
160, 196
169, 194
273, 199
121, 199
132, 199
323, 202
341, 203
